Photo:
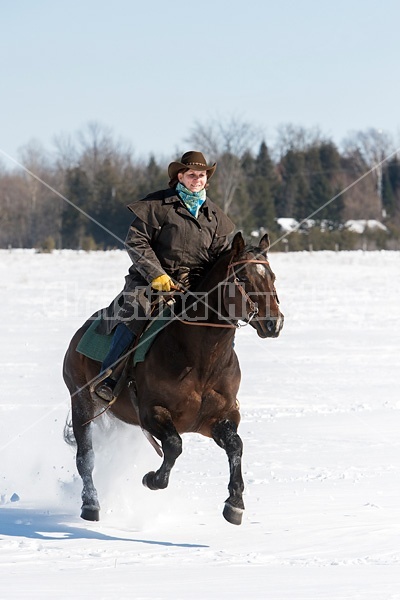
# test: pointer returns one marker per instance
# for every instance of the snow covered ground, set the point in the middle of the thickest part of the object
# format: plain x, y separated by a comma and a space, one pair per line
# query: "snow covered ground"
321, 433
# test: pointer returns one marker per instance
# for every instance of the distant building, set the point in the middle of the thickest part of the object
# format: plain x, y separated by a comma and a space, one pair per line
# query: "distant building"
287, 224
360, 225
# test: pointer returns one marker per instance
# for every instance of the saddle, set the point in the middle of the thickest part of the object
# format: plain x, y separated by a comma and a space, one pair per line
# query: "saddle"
95, 345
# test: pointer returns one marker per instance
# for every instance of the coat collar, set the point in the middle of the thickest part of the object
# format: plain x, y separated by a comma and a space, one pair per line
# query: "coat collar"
173, 198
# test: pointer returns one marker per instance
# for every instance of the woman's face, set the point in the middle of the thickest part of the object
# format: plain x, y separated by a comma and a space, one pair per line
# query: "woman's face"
194, 181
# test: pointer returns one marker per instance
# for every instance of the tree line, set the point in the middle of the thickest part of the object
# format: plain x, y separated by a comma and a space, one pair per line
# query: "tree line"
77, 196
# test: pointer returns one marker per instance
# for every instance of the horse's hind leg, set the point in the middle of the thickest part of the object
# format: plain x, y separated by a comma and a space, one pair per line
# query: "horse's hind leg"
225, 435
162, 427
83, 411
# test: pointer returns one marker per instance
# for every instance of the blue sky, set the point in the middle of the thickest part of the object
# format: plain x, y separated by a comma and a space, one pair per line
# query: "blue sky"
151, 70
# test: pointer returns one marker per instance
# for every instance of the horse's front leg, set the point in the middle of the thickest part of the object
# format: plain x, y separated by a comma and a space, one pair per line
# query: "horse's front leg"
225, 435
160, 424
83, 411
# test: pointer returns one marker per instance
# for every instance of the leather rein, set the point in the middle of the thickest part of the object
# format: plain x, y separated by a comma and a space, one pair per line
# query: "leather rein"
253, 306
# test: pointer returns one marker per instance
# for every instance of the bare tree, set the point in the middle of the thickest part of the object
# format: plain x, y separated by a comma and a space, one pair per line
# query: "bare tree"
42, 206
226, 142
374, 145
66, 152
296, 138
369, 150
14, 207
3, 169
360, 201
97, 145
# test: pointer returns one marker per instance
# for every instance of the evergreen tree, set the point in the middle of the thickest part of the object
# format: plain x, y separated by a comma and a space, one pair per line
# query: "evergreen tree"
241, 207
262, 185
156, 177
330, 160
391, 188
73, 221
323, 163
294, 188
103, 204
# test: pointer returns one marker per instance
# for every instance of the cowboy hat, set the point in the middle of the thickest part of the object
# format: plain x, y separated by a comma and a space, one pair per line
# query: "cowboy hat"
191, 160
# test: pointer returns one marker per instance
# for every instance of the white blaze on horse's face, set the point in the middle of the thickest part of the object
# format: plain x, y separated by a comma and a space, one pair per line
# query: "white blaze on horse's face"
261, 270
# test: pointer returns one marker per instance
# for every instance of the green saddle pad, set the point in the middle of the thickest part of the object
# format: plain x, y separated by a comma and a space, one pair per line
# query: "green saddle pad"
96, 345
150, 334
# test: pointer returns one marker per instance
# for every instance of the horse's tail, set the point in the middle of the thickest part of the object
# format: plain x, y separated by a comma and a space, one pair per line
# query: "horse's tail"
69, 437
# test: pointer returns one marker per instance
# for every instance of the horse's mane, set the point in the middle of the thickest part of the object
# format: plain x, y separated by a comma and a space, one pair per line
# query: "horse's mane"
198, 277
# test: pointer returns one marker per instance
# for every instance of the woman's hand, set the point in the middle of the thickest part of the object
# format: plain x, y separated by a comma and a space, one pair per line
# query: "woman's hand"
162, 283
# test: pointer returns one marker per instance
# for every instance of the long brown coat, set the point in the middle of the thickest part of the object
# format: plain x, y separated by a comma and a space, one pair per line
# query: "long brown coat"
165, 238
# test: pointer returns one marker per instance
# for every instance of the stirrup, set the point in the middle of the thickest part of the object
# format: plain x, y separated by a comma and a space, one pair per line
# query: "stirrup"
101, 377
106, 393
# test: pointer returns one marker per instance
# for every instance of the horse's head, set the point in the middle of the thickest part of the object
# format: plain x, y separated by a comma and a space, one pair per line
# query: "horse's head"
250, 293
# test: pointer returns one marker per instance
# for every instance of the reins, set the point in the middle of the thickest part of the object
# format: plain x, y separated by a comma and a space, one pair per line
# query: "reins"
198, 324
253, 307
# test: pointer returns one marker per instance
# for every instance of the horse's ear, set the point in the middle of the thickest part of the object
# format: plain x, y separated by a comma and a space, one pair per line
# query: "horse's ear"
238, 244
264, 243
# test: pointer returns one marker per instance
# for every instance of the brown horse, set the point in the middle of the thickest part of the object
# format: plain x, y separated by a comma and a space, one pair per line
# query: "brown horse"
190, 378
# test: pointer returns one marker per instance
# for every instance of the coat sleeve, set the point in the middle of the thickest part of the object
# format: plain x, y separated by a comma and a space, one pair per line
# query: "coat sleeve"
223, 230
138, 244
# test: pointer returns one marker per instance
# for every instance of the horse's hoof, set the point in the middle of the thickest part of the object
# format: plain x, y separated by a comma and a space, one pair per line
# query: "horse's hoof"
148, 481
90, 513
232, 514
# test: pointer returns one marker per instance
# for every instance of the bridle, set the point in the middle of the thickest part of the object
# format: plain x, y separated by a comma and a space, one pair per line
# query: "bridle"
253, 312
252, 305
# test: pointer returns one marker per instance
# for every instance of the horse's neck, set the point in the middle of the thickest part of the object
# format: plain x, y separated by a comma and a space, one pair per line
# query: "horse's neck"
206, 325
204, 344
210, 306
217, 273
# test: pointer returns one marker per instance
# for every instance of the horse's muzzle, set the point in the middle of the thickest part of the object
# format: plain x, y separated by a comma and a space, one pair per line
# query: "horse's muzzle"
269, 327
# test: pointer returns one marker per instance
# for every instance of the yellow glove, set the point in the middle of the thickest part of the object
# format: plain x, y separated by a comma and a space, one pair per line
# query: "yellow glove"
162, 283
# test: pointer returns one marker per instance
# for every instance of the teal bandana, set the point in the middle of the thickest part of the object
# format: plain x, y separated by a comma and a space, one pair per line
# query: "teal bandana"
192, 200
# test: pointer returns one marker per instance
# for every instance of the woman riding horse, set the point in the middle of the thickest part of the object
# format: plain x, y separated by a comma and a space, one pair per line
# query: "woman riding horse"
190, 377
175, 233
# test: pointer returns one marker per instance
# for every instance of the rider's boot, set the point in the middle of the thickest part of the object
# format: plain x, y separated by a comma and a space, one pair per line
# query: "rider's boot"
122, 339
